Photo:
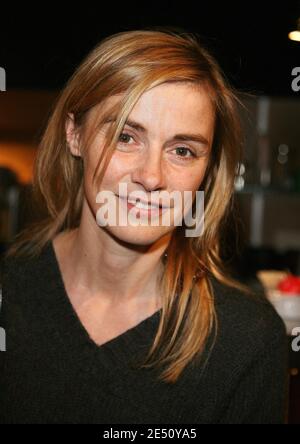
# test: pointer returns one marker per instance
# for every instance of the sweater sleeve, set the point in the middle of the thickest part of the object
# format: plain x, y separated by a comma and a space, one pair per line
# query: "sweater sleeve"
262, 392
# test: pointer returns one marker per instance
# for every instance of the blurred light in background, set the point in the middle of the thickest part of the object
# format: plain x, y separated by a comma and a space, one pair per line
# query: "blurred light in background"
19, 157
23, 115
295, 35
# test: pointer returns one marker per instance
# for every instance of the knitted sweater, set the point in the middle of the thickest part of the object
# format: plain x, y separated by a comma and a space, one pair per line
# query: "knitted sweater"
53, 372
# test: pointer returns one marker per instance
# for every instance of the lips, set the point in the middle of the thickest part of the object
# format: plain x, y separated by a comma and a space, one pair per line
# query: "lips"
147, 204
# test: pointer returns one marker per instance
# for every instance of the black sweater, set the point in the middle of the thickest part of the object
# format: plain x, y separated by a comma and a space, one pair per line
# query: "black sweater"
52, 372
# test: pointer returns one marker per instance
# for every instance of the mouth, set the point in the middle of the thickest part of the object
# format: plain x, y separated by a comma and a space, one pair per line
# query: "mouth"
142, 206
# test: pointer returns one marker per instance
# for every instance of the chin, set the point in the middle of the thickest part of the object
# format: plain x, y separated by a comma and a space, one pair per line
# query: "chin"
138, 235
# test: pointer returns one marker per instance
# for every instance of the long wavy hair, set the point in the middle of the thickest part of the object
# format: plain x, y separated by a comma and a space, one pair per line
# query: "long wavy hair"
129, 63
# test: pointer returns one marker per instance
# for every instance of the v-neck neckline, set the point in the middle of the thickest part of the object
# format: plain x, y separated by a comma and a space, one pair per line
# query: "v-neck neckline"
136, 335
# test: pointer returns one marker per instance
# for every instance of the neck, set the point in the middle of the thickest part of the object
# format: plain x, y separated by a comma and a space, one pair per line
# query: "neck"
97, 265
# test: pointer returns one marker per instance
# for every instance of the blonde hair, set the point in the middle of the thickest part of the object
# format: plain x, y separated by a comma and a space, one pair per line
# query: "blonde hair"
129, 63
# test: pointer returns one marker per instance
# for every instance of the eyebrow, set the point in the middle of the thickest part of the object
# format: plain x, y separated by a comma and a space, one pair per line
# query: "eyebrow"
181, 137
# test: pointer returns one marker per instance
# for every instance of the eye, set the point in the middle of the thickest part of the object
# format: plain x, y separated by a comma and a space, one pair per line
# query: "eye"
125, 138
182, 150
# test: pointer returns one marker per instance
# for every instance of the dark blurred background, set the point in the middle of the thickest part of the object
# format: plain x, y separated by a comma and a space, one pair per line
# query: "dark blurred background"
40, 48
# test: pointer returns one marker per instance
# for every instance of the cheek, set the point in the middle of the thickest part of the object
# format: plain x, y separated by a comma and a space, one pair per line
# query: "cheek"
115, 173
199, 173
190, 179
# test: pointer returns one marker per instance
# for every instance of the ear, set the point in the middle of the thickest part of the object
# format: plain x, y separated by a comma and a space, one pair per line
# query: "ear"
72, 136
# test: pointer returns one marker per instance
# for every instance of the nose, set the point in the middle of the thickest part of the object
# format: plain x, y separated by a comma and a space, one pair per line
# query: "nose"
149, 170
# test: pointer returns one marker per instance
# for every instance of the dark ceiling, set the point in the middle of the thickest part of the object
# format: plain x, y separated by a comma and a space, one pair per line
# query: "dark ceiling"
41, 48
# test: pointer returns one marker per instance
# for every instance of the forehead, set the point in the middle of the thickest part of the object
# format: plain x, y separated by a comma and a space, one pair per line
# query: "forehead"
178, 105
175, 103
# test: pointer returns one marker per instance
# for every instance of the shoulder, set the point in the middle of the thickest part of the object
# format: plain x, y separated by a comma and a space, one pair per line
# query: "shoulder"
19, 272
248, 319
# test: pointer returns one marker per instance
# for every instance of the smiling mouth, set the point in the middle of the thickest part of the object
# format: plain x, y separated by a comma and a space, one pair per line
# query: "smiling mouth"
142, 205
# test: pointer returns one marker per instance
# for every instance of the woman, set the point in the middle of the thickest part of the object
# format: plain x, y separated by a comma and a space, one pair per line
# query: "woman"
137, 323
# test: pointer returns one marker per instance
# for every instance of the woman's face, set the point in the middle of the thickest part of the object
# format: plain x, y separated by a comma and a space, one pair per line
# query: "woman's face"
164, 146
